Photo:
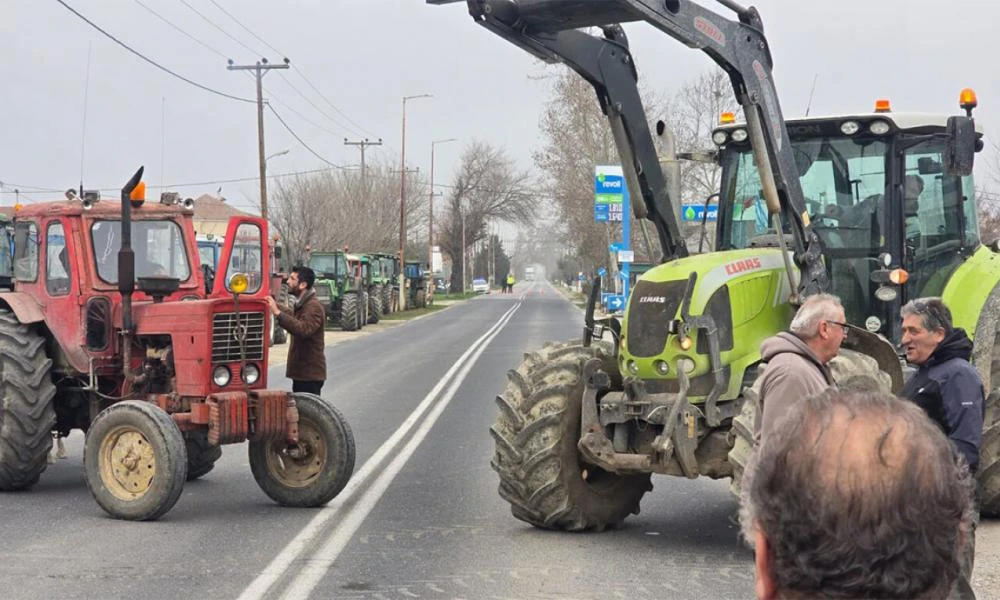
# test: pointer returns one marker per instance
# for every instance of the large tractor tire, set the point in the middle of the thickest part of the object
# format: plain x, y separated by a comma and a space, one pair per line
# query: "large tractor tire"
317, 469
986, 359
375, 305
386, 299
542, 474
135, 461
742, 438
349, 318
421, 301
201, 456
27, 414
362, 309
278, 334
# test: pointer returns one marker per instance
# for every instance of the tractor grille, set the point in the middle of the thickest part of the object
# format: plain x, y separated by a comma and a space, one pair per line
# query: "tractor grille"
226, 345
651, 307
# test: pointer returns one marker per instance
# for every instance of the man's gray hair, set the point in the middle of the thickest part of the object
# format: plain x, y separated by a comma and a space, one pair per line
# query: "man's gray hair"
933, 313
859, 495
816, 309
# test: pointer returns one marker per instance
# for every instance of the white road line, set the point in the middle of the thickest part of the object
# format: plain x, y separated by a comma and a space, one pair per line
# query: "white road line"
290, 553
319, 564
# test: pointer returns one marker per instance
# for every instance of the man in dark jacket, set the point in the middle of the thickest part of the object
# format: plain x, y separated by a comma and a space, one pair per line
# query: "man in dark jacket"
306, 365
797, 359
949, 389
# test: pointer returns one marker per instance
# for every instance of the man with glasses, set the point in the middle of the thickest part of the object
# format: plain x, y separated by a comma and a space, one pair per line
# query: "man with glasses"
797, 359
948, 388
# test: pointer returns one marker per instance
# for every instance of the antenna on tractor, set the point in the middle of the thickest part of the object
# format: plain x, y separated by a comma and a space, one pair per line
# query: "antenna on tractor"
83, 134
809, 103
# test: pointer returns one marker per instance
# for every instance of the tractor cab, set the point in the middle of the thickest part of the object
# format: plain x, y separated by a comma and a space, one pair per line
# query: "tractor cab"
893, 223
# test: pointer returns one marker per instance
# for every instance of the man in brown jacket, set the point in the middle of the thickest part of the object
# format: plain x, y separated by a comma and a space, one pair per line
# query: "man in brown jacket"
797, 359
306, 365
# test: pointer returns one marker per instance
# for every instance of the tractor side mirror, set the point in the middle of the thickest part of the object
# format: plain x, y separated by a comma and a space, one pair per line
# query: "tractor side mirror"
960, 150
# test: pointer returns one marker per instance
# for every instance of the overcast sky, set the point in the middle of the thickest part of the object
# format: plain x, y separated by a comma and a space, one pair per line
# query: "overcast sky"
365, 55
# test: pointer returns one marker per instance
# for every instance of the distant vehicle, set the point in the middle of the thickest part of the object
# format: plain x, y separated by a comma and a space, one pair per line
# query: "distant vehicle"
440, 285
480, 286
529, 273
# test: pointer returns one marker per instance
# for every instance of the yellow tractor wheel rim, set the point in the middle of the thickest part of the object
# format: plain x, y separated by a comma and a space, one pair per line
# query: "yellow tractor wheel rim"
298, 466
127, 463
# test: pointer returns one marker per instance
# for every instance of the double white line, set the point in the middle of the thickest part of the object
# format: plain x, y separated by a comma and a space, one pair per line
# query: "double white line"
369, 483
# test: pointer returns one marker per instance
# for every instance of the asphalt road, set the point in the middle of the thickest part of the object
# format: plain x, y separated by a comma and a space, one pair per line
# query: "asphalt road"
421, 517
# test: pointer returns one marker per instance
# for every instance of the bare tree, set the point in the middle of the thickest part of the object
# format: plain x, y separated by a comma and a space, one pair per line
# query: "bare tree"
333, 209
487, 188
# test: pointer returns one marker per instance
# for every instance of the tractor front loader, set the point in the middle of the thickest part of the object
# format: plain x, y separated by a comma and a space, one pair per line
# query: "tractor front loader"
582, 425
110, 329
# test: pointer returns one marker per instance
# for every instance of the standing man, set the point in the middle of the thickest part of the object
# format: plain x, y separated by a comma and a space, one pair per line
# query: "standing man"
949, 390
306, 365
797, 359
510, 284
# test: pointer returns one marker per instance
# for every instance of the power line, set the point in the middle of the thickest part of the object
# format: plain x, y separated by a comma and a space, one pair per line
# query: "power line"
180, 30
245, 28
327, 100
223, 31
295, 135
149, 60
300, 115
313, 104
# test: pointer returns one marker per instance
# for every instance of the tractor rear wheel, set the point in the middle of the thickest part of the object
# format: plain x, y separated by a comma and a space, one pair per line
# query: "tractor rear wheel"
27, 414
201, 456
375, 305
542, 474
386, 299
362, 309
315, 470
135, 461
349, 312
421, 299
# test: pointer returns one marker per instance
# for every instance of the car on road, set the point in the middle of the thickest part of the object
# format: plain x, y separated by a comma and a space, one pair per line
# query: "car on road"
479, 286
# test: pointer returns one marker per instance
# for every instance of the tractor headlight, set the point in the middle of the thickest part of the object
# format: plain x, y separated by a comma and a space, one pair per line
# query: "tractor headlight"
661, 367
719, 137
251, 374
632, 367
221, 376
879, 127
739, 135
849, 127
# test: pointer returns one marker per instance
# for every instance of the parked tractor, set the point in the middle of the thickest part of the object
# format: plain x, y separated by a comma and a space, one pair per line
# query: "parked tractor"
416, 284
336, 286
110, 330
806, 206
384, 272
358, 265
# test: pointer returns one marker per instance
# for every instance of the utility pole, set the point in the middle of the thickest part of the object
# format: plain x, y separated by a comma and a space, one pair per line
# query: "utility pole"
430, 222
402, 204
260, 69
363, 144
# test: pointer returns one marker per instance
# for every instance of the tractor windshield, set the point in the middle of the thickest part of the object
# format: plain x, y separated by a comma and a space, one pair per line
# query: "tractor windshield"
843, 180
328, 265
208, 253
158, 245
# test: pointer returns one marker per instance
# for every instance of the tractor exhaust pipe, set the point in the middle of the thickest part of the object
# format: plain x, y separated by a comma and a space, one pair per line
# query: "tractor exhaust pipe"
126, 273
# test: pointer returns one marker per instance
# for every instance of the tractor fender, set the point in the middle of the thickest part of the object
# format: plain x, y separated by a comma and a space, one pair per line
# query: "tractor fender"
984, 338
25, 307
877, 347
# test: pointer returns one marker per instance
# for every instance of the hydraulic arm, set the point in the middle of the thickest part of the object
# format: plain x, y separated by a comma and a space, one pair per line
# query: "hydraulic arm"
552, 31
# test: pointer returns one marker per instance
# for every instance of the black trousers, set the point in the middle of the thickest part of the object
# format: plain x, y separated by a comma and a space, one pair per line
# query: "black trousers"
309, 387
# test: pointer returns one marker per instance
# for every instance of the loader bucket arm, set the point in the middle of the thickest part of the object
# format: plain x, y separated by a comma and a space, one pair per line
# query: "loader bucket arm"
550, 30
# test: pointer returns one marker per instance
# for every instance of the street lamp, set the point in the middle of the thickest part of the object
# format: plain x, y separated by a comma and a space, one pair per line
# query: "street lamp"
430, 222
263, 183
402, 206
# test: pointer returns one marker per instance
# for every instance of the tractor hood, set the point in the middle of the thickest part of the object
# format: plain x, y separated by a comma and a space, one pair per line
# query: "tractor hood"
740, 297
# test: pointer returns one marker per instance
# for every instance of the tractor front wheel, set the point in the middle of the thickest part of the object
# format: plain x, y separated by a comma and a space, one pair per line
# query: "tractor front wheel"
135, 461
314, 471
542, 474
421, 299
386, 299
27, 414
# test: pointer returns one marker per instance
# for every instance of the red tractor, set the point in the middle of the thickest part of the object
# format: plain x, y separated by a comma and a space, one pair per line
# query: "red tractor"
111, 329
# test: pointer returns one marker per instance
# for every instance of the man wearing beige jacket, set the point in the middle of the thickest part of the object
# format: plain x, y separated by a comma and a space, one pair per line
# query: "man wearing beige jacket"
797, 359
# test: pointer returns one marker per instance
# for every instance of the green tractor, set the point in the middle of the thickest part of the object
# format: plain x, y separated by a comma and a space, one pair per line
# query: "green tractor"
336, 288
359, 266
583, 425
416, 284
374, 282
383, 272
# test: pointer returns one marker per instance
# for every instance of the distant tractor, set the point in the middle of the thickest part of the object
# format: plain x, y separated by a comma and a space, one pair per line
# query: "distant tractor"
337, 286
416, 284
110, 330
